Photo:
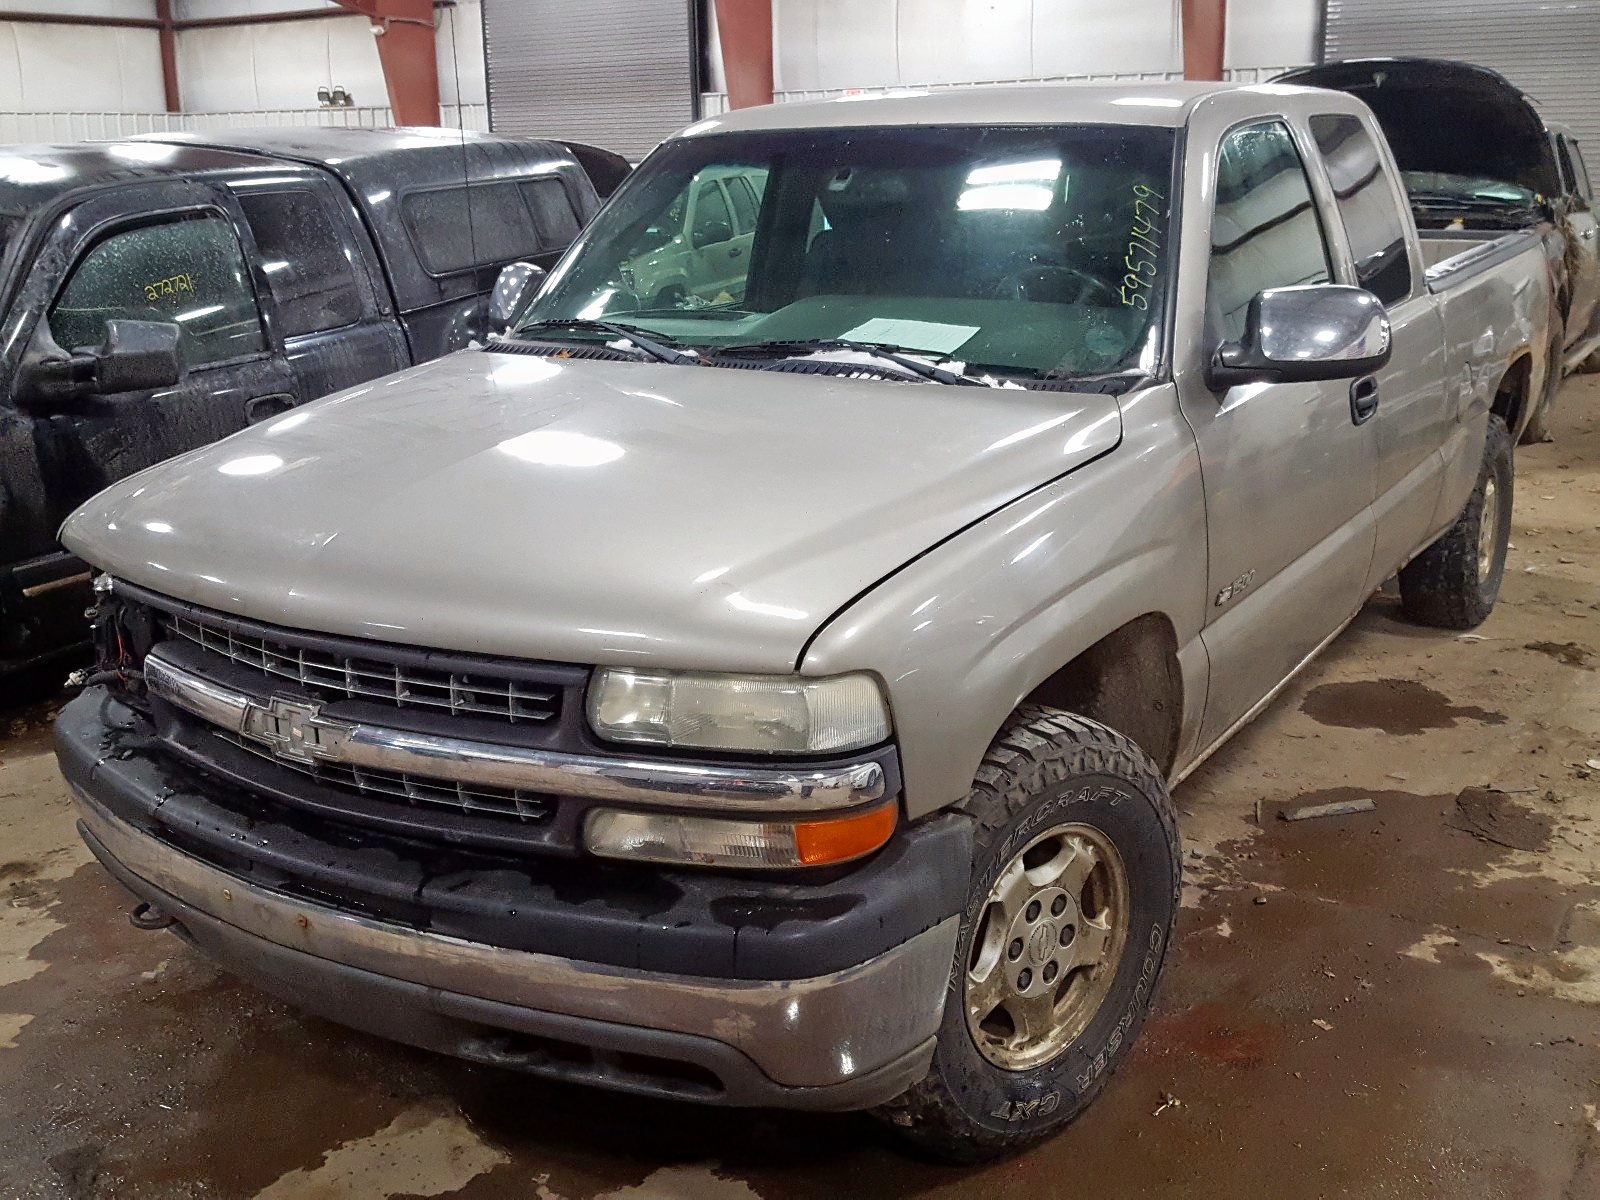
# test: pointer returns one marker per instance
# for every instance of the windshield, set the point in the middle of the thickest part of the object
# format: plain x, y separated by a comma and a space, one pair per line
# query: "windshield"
1440, 185
1034, 251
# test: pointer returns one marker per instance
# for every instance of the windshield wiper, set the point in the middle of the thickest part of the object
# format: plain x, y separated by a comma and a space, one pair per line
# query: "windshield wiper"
1485, 203
894, 354
659, 351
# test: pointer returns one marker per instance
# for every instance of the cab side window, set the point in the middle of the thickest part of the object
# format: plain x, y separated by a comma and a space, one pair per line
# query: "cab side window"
187, 270
1367, 205
712, 223
305, 263
553, 214
1572, 162
1265, 232
746, 201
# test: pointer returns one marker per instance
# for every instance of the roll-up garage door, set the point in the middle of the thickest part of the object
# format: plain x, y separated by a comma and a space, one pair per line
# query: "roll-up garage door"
1550, 51
621, 74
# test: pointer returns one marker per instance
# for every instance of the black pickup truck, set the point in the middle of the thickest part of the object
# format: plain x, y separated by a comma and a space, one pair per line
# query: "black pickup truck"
160, 293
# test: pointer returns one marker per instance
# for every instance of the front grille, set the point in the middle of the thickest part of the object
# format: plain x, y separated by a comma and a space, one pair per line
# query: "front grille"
418, 792
330, 675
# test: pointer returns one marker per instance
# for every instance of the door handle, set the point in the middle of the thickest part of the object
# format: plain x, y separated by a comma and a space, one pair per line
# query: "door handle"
1363, 399
734, 252
259, 408
1588, 234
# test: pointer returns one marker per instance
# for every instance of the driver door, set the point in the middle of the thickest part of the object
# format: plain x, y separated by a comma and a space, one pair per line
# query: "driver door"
1289, 473
168, 252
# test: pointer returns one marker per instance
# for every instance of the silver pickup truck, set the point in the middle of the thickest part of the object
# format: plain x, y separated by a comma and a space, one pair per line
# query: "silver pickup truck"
723, 700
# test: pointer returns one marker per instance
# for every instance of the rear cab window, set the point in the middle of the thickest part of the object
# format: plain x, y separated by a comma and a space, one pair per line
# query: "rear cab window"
1366, 201
188, 270
304, 261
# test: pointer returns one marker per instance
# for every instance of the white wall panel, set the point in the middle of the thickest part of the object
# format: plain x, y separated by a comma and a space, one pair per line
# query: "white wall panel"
946, 41
140, 9
278, 65
461, 78
832, 44
48, 68
191, 10
1096, 37
1264, 33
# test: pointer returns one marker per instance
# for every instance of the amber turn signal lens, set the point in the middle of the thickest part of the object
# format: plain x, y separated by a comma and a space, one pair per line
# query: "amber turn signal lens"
844, 838
728, 842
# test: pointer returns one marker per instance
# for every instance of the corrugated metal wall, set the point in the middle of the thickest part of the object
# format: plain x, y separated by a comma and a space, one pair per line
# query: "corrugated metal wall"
621, 74
1549, 50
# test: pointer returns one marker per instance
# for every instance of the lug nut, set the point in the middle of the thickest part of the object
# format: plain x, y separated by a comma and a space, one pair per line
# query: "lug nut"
1024, 979
1058, 906
1050, 971
1068, 932
1015, 949
1031, 914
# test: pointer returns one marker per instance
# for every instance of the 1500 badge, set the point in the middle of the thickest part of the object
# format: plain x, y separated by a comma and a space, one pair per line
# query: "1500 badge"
1235, 588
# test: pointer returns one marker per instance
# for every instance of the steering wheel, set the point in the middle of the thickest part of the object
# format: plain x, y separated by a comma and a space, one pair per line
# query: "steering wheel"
1055, 285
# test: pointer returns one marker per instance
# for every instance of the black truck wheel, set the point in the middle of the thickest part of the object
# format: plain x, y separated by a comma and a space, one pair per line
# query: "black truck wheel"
1454, 583
1068, 918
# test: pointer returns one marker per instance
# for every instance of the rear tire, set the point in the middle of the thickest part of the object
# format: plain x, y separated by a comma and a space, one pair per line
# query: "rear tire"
1069, 914
1454, 583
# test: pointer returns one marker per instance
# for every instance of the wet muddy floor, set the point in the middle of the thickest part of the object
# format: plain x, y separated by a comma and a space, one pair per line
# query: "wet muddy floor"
1397, 1003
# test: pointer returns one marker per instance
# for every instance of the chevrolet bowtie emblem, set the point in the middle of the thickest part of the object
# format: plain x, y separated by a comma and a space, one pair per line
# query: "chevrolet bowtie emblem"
292, 729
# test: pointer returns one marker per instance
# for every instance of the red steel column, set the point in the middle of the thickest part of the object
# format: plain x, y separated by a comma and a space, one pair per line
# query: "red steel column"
169, 55
745, 27
1205, 27
406, 50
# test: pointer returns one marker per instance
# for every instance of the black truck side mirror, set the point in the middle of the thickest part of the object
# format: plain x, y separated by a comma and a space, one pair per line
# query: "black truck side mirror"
135, 356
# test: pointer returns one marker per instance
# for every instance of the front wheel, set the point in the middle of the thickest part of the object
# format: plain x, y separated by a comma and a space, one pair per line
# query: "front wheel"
1069, 914
1454, 583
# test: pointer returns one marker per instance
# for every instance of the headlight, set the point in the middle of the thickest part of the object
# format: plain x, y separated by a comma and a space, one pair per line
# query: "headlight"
761, 714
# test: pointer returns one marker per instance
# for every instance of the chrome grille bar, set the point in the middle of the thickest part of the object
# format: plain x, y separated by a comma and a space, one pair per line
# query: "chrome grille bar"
298, 734
353, 677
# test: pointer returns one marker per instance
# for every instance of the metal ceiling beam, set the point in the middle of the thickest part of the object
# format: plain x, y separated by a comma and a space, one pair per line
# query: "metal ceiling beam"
745, 30
45, 18
169, 56
405, 35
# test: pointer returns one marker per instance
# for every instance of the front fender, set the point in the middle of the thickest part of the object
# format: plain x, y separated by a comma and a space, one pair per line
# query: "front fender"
963, 634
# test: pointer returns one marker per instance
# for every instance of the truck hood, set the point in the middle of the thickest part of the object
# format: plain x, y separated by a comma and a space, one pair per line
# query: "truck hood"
583, 511
1446, 117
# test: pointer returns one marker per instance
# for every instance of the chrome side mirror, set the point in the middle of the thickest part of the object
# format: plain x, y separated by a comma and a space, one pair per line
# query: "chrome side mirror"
1305, 333
515, 286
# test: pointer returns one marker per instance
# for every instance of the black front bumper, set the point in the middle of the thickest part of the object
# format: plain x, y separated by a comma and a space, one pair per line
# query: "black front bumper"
712, 988
687, 922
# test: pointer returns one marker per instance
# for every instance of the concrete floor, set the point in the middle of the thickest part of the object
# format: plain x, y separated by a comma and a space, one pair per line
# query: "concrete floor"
1403, 1003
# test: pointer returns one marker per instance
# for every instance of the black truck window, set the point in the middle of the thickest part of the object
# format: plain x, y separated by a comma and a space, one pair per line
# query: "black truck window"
457, 228
305, 263
553, 213
187, 270
1367, 205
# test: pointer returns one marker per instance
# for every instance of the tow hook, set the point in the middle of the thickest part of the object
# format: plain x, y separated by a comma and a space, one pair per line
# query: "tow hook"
147, 916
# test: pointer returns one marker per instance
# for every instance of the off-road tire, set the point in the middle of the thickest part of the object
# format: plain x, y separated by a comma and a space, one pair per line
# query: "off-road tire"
1538, 428
1047, 768
1445, 586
